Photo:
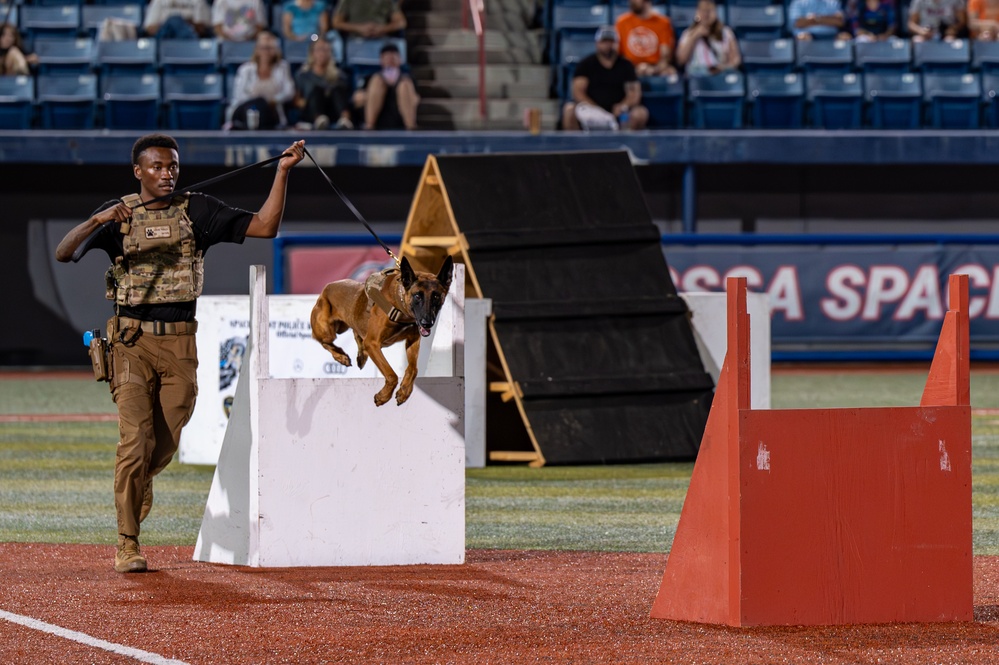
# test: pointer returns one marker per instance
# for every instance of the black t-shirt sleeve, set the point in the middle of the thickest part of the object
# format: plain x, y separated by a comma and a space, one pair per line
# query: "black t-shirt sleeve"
215, 222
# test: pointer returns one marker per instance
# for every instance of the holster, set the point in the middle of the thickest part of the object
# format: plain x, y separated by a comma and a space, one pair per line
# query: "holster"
99, 351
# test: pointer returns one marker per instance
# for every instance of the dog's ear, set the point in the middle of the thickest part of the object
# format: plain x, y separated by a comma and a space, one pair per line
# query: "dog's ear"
444, 276
407, 275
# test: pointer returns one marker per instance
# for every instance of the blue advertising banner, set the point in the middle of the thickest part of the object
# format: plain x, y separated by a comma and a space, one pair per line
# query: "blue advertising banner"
849, 295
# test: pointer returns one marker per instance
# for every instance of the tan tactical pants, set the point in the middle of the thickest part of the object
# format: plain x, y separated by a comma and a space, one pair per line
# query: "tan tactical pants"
155, 386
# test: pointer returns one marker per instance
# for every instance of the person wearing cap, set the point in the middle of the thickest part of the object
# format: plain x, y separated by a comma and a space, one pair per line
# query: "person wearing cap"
389, 99
605, 90
368, 19
647, 39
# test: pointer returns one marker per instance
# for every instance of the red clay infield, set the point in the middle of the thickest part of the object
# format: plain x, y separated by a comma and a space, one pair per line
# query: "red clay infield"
499, 607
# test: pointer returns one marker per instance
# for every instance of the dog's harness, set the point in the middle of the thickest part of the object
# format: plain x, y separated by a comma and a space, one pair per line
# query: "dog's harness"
373, 288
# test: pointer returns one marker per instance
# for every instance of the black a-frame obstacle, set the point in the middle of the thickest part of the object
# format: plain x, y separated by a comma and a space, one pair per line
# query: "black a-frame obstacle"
588, 338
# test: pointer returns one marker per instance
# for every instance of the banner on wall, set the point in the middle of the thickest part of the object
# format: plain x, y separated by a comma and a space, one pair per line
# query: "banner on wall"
850, 293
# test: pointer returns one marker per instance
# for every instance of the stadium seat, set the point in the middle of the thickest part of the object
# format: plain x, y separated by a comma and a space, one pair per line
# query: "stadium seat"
682, 15
193, 101
44, 21
985, 56
663, 96
233, 54
829, 54
575, 21
835, 100
717, 102
572, 49
756, 22
10, 11
67, 55
777, 101
892, 55
894, 99
296, 53
131, 101
200, 56
362, 56
137, 57
67, 102
17, 98
941, 56
767, 55
952, 100
92, 16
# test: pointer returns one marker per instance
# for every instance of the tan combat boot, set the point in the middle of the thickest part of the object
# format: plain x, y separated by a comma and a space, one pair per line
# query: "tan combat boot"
147, 499
128, 559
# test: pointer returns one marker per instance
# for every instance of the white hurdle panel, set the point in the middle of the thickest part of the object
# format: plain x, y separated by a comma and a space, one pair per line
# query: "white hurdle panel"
312, 473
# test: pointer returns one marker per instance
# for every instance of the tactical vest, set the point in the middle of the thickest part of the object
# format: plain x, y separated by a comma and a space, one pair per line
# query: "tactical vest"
160, 263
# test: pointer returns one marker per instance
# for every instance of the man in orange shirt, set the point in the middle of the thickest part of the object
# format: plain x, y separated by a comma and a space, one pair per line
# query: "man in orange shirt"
647, 39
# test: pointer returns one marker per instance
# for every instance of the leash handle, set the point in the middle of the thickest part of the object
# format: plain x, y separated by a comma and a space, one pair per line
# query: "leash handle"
354, 210
85, 245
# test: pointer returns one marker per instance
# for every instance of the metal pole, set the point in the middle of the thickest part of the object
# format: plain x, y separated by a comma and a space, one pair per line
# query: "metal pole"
689, 199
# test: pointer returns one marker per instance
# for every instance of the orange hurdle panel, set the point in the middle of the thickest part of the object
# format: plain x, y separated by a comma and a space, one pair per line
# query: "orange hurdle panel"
829, 516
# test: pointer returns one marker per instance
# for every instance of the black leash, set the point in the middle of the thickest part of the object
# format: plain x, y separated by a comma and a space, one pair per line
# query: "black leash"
85, 245
357, 214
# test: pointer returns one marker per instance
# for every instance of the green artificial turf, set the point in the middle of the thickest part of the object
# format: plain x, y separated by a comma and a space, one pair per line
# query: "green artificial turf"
55, 477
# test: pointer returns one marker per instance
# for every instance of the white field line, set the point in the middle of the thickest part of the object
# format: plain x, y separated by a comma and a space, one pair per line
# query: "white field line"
83, 638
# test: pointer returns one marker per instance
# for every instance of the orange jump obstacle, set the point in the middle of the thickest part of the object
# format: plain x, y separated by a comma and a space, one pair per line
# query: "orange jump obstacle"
828, 516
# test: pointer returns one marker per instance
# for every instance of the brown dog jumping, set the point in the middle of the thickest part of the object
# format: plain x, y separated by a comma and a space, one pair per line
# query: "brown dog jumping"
390, 306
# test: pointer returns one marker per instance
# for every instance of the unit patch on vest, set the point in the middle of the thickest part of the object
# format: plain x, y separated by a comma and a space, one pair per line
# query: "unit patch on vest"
157, 232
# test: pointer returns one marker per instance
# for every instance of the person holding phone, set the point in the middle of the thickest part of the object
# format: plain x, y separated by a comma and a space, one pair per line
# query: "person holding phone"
708, 46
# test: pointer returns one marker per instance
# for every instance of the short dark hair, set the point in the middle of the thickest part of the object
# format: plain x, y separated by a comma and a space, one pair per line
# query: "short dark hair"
152, 141
389, 47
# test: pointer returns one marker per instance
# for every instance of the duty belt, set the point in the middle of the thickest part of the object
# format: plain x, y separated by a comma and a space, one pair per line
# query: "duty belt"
159, 328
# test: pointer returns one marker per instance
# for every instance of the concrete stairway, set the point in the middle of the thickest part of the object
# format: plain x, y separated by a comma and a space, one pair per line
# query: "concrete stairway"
444, 59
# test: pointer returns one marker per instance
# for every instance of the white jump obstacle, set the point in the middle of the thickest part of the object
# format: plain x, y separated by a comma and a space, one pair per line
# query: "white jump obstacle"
312, 473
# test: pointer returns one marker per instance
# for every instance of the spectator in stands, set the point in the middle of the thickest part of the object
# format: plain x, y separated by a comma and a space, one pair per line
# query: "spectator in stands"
983, 19
605, 90
321, 92
370, 19
938, 19
708, 46
816, 19
304, 19
238, 20
264, 83
13, 60
647, 39
178, 19
870, 20
389, 100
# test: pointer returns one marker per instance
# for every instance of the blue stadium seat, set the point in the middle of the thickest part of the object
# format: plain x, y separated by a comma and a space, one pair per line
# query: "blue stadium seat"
576, 21
891, 55
194, 101
830, 54
664, 98
572, 49
68, 55
67, 102
55, 21
717, 102
10, 11
835, 99
757, 22
233, 54
296, 53
199, 56
767, 55
941, 56
985, 56
131, 101
894, 99
362, 56
17, 99
138, 56
952, 99
990, 98
777, 100
618, 8
92, 16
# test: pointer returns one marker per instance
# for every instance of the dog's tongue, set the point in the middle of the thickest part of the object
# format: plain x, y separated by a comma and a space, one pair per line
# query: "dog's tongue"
423, 331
